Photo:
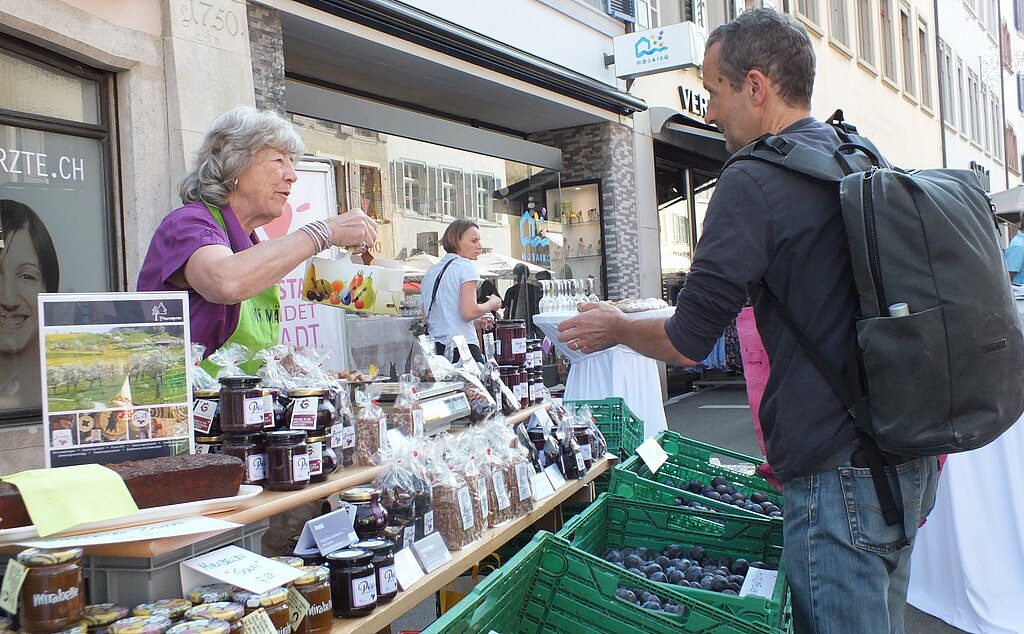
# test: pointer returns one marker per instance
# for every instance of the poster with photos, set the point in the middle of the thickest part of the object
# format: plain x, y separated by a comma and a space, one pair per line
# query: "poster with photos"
114, 367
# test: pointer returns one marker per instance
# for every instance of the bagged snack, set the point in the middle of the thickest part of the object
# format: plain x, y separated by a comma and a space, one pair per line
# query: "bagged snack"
481, 404
399, 488
504, 398
406, 415
230, 358
499, 498
201, 379
470, 470
371, 426
273, 374
453, 507
520, 481
598, 443
426, 365
419, 465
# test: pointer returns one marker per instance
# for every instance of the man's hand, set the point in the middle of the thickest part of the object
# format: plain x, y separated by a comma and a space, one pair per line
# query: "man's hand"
596, 328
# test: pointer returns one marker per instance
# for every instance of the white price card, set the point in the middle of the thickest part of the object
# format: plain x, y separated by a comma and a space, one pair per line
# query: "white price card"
431, 552
652, 454
11, 588
329, 532
541, 487
407, 569
759, 582
171, 528
237, 566
554, 476
542, 418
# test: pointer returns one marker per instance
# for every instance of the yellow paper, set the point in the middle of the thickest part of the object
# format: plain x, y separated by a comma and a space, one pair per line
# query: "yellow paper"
13, 578
60, 498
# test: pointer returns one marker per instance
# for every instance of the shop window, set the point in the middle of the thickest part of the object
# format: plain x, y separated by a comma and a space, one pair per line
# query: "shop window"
865, 31
648, 14
839, 21
414, 187
946, 89
1018, 16
57, 220
926, 65
886, 11
484, 196
907, 50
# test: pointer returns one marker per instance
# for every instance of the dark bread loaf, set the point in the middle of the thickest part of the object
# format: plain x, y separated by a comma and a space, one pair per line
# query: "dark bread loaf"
152, 482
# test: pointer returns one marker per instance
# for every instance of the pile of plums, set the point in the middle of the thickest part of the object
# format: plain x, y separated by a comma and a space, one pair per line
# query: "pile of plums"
721, 490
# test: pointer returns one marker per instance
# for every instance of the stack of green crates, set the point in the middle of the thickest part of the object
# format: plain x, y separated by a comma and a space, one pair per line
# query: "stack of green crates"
688, 460
551, 587
613, 523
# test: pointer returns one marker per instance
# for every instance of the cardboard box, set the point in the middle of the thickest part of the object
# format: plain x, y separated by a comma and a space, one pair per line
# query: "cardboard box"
353, 285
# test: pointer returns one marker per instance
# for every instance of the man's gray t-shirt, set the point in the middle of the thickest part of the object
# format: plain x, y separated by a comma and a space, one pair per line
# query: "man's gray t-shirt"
444, 316
764, 221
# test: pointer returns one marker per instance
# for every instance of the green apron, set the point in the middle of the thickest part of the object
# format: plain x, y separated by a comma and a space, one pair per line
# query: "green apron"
259, 320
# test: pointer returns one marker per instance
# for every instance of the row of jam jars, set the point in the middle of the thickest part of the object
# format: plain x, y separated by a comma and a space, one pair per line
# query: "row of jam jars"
362, 577
517, 379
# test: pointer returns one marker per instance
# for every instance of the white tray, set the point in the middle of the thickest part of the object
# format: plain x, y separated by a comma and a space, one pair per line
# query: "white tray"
143, 516
548, 324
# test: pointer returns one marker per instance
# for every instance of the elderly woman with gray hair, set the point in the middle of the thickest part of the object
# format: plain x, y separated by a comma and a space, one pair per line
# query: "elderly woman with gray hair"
243, 174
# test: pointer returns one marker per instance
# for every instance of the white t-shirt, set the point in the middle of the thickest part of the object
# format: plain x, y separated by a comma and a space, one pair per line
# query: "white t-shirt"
444, 317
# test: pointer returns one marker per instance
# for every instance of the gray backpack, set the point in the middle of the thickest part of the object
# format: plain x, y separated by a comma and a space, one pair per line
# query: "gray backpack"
948, 376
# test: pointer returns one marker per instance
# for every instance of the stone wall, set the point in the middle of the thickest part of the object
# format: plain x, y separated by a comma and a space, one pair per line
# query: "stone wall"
267, 48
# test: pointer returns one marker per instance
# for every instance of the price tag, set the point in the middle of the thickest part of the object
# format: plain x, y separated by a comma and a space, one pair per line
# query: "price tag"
519, 346
202, 415
542, 418
759, 582
268, 410
348, 437
428, 522
298, 607
500, 492
431, 552
236, 566
254, 410
329, 532
407, 568
481, 486
652, 454
300, 467
315, 452
11, 587
304, 412
587, 454
465, 507
258, 623
408, 535
554, 476
417, 422
542, 487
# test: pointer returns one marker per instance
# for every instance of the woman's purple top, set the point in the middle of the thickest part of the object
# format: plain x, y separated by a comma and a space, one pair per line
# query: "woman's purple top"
181, 233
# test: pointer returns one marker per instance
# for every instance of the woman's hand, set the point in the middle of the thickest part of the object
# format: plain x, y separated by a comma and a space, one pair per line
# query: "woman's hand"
493, 303
485, 323
352, 228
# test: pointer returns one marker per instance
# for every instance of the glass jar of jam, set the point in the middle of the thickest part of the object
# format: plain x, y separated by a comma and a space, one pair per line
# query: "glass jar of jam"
534, 354
582, 434
510, 377
315, 588
219, 610
250, 449
384, 565
241, 404
99, 616
209, 444
273, 601
510, 341
537, 386
287, 460
211, 593
174, 609
353, 583
277, 407
206, 412
201, 626
371, 517
51, 594
310, 409
323, 459
152, 624
289, 560
524, 388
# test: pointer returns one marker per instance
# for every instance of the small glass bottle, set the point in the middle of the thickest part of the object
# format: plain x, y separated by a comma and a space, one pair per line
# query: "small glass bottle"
384, 565
287, 460
51, 597
315, 588
250, 449
323, 459
206, 412
211, 593
524, 388
241, 404
371, 517
353, 583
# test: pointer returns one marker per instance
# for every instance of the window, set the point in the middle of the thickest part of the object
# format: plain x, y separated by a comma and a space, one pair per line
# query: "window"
648, 14
371, 191
866, 32
1020, 93
997, 124
907, 50
451, 185
1018, 16
808, 9
1012, 156
946, 91
1006, 46
414, 187
961, 100
888, 35
484, 196
973, 101
719, 12
926, 65
839, 25
680, 229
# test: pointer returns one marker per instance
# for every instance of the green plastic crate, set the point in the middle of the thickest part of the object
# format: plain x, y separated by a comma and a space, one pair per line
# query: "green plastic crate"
697, 455
632, 479
551, 587
616, 522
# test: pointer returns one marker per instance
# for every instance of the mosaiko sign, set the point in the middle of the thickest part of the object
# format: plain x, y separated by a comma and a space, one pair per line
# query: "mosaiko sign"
665, 48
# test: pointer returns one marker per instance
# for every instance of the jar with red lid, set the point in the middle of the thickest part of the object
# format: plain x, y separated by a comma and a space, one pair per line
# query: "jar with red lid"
510, 341
241, 404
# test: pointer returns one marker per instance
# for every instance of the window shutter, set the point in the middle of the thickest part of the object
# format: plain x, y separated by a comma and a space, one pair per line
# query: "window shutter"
460, 193
387, 208
397, 191
353, 196
469, 192
432, 207
624, 10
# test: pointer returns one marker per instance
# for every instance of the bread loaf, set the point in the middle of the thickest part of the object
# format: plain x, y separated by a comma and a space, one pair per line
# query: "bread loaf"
152, 482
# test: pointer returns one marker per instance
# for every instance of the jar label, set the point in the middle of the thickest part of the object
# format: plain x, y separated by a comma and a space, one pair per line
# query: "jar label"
535, 393
428, 522
254, 410
268, 411
521, 391
348, 437
11, 588
481, 486
465, 507
256, 467
304, 412
297, 608
388, 580
300, 467
409, 535
585, 448
497, 348
315, 451
337, 438
579, 461
207, 448
499, 491
417, 422
519, 345
202, 414
364, 591
523, 474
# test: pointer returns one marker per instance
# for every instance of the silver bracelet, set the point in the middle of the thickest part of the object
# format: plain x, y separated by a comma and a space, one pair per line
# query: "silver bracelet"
316, 237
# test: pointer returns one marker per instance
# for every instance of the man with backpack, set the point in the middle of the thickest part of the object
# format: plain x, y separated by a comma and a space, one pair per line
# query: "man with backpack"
775, 231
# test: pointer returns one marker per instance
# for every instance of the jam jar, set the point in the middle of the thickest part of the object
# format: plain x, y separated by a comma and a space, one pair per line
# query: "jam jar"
310, 409
174, 609
152, 624
250, 449
211, 593
510, 341
534, 354
371, 517
289, 560
201, 626
536, 386
384, 564
206, 412
323, 460
287, 460
51, 594
274, 602
218, 610
510, 377
315, 588
524, 388
276, 420
241, 404
582, 434
209, 444
99, 616
353, 583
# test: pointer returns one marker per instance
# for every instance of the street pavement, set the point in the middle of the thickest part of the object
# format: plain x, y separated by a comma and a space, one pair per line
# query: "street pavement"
720, 416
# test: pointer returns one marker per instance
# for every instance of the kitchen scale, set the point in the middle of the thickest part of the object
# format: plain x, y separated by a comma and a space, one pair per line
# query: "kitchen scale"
442, 404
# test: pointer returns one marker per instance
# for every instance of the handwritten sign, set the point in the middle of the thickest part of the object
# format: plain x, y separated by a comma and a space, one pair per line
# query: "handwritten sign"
329, 532
237, 566
759, 582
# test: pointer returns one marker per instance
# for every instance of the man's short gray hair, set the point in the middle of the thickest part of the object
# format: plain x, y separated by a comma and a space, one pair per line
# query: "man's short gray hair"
228, 149
773, 43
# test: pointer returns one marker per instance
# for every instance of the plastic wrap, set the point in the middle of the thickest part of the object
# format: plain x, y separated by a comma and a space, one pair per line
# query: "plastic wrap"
230, 358
371, 426
403, 413
428, 366
452, 500
481, 404
400, 487
201, 379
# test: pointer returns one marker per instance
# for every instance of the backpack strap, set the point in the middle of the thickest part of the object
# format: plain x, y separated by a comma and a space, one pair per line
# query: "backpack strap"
797, 157
847, 133
437, 283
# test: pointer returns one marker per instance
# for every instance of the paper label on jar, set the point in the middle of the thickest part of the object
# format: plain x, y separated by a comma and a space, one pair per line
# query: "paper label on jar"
337, 437
523, 474
521, 391
315, 451
298, 607
535, 391
258, 622
205, 448
256, 467
348, 437
304, 412
254, 410
268, 411
428, 522
417, 422
409, 535
364, 591
519, 346
500, 492
579, 461
388, 580
585, 450
300, 467
202, 415
481, 486
465, 500
11, 588
497, 348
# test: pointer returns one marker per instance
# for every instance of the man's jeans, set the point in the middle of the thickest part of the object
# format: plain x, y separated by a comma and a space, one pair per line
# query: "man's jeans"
847, 570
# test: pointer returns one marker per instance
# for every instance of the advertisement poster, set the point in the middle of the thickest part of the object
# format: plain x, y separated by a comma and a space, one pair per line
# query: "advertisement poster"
114, 366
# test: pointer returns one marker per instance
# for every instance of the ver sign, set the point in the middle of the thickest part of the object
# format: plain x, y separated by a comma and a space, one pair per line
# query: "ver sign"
679, 45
